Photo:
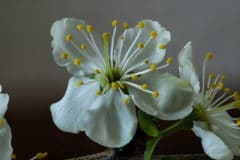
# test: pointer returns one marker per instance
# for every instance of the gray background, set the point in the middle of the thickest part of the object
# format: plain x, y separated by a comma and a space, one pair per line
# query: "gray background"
33, 80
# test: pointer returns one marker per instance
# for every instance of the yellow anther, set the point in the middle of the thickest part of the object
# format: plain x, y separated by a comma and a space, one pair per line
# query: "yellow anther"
126, 101
238, 122
13, 156
169, 60
212, 75
140, 24
209, 55
77, 61
114, 23
146, 61
68, 37
105, 36
125, 25
98, 92
236, 96
134, 77
89, 28
153, 67
64, 55
220, 85
80, 27
144, 86
1, 122
222, 77
80, 83
114, 85
140, 45
153, 34
97, 71
122, 85
83, 46
41, 155
155, 94
162, 46
212, 85
122, 37
227, 90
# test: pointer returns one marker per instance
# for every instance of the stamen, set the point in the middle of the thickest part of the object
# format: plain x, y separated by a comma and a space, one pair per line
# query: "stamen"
220, 85
210, 77
134, 77
80, 83
83, 46
68, 37
155, 94
130, 48
138, 87
1, 122
146, 61
227, 90
114, 85
209, 56
222, 77
162, 46
169, 60
126, 101
125, 25
40, 156
144, 86
114, 23
153, 34
153, 67
64, 56
98, 92
140, 45
140, 25
236, 96
122, 85
80, 27
97, 71
77, 61
89, 28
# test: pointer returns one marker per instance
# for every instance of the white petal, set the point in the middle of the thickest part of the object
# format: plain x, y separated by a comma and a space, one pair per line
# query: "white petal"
213, 146
104, 118
226, 131
175, 96
186, 68
4, 98
59, 30
151, 51
5, 142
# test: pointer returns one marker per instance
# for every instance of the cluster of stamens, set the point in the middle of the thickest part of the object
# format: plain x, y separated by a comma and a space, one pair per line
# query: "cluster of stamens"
214, 86
112, 61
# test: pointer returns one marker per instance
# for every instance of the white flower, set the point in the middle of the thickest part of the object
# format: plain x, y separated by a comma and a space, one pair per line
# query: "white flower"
106, 83
220, 133
5, 131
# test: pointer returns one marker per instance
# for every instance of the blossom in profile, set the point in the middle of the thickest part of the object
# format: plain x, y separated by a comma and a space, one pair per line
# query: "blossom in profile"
111, 76
218, 130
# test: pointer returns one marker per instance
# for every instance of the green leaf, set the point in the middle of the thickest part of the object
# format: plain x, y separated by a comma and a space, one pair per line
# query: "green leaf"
151, 144
147, 125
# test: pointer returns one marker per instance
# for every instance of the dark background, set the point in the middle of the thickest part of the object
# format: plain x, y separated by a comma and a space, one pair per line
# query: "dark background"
30, 76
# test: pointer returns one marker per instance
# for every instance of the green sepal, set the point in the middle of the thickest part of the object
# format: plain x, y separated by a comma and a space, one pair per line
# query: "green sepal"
147, 125
151, 144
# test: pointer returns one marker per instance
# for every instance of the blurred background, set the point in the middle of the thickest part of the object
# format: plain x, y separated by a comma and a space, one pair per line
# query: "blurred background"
30, 76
